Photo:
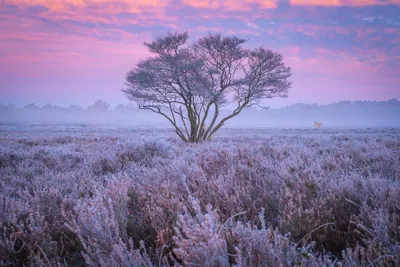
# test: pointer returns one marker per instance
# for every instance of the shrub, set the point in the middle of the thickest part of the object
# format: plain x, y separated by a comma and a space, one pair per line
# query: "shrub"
283, 198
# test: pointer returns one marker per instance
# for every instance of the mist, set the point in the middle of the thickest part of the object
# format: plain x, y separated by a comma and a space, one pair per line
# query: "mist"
339, 114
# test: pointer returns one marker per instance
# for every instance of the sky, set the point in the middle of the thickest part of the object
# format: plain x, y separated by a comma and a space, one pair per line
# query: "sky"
77, 51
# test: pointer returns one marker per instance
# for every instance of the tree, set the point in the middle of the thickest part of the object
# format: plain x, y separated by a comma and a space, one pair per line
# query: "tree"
99, 105
47, 106
75, 108
120, 108
188, 84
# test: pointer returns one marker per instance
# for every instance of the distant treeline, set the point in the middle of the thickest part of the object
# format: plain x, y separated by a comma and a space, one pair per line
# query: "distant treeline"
344, 113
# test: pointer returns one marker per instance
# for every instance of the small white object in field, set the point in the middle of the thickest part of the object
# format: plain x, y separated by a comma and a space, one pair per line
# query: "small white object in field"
317, 124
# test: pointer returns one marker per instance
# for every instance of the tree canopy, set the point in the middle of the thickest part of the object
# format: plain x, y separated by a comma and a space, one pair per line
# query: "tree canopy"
188, 84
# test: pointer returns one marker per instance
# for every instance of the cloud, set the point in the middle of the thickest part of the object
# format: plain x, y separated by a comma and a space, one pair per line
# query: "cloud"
369, 19
252, 25
315, 2
101, 5
233, 5
355, 38
336, 3
32, 49
94, 11
337, 75
354, 47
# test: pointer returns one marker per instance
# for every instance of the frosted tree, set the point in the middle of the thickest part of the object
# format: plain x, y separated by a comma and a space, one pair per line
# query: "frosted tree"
188, 84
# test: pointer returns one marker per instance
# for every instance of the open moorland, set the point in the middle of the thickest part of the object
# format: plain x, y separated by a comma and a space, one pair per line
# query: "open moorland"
103, 196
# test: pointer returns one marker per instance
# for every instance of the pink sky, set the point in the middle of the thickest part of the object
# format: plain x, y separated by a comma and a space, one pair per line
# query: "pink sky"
75, 51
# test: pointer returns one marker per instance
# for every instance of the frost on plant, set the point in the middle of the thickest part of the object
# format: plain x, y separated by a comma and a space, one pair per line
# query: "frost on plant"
73, 196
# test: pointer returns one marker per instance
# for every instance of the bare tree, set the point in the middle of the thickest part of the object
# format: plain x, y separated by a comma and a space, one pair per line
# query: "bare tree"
189, 83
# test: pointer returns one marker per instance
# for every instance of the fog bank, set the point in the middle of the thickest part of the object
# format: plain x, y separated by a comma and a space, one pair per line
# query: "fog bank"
341, 114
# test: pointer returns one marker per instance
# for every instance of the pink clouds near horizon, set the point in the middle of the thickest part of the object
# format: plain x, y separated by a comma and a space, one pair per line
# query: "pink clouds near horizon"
337, 3
335, 55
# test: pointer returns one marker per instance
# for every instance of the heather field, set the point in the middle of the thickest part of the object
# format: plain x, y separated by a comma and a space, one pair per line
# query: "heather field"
104, 196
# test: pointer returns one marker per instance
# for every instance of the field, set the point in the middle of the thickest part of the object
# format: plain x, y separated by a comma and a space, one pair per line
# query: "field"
102, 196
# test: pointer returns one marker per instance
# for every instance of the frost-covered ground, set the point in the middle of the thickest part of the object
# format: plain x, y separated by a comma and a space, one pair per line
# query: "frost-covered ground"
96, 196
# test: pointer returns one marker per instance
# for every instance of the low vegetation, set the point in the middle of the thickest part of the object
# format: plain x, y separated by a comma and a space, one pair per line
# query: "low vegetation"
88, 196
